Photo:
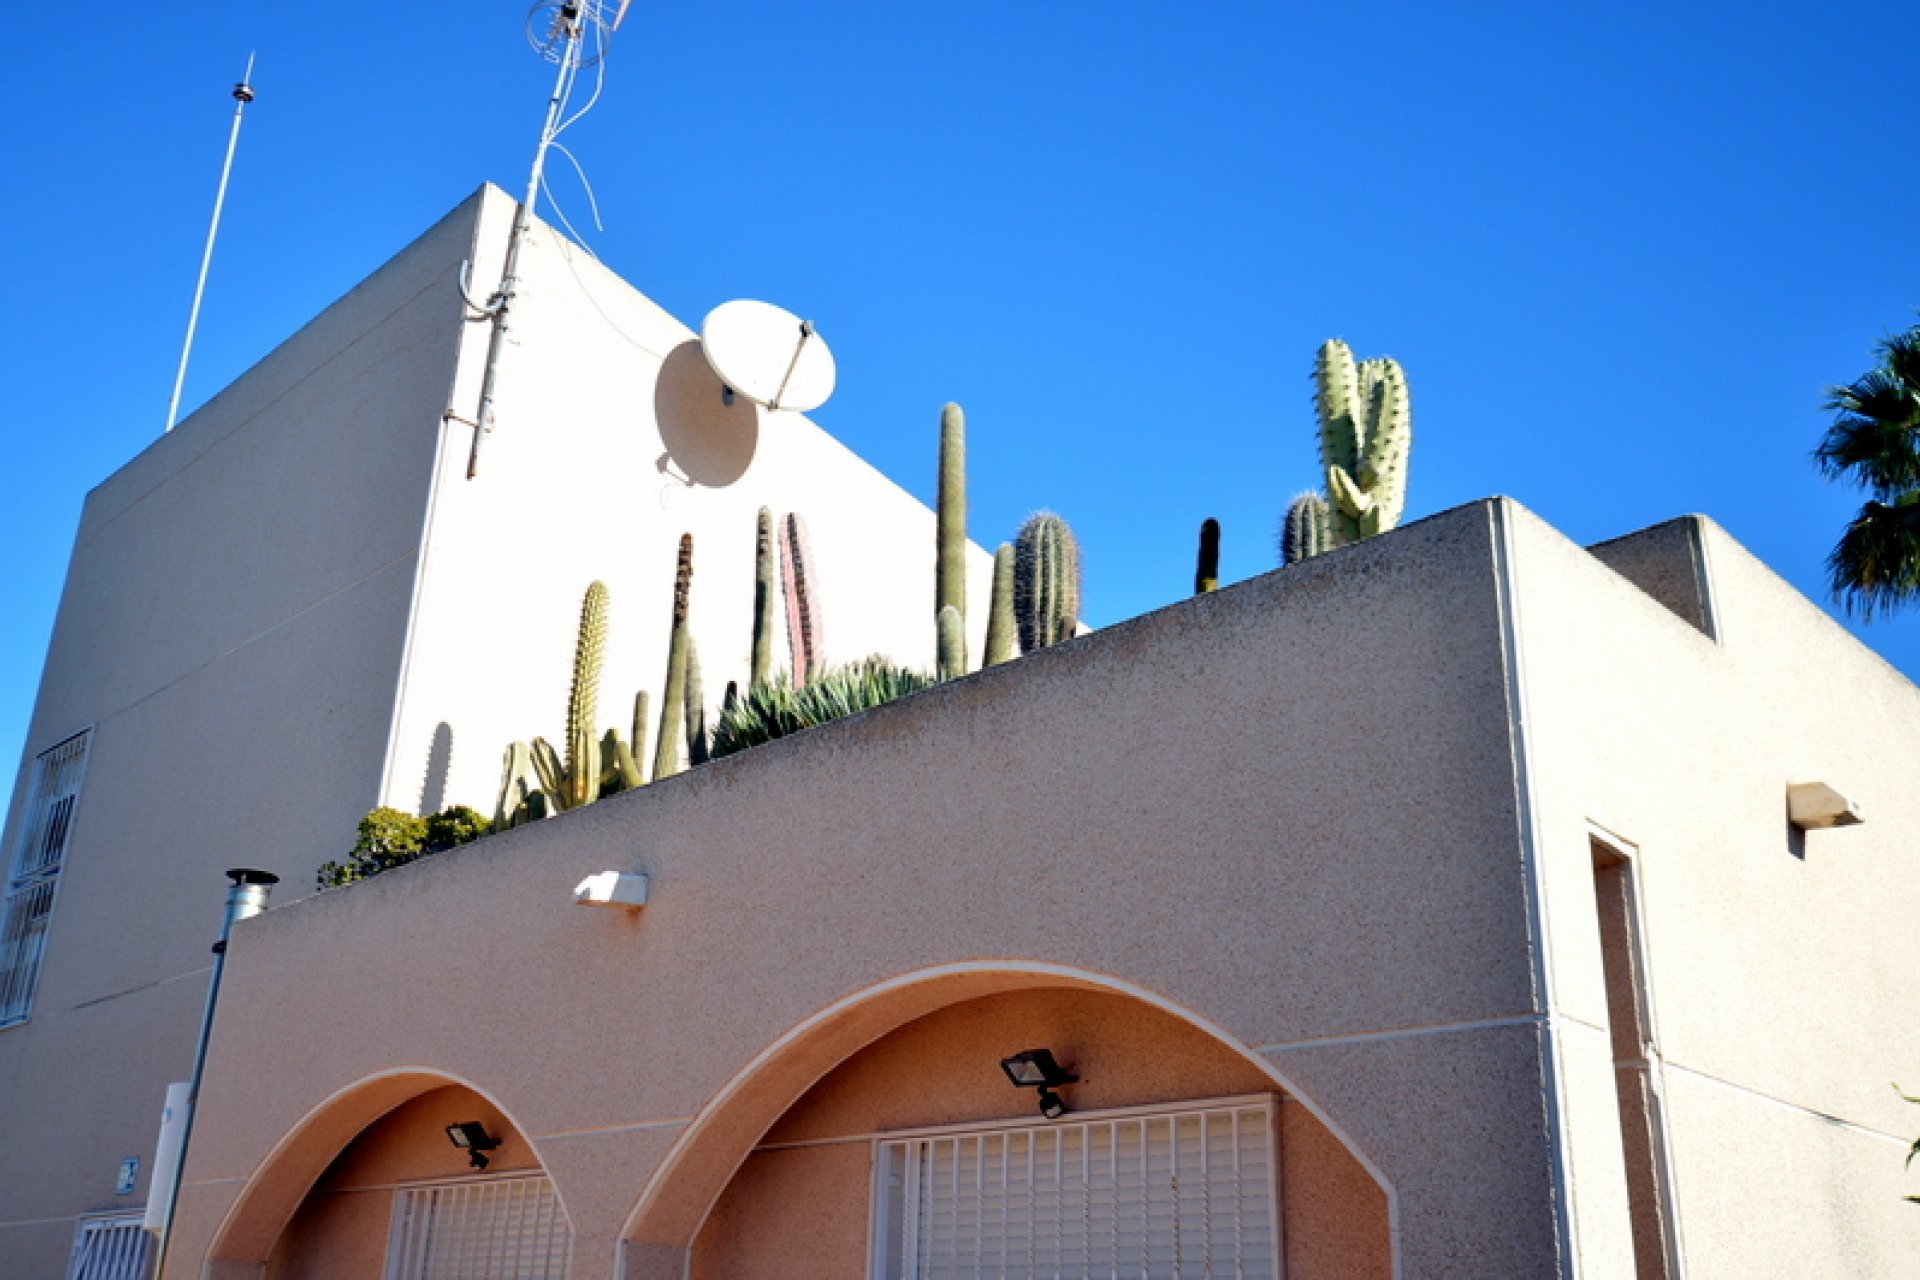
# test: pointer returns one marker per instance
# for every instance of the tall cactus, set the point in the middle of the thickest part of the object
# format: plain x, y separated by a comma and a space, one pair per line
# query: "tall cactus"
1304, 529
764, 571
518, 786
696, 709
1206, 572
666, 747
642, 726
1366, 432
1000, 612
803, 604
582, 780
950, 550
1046, 582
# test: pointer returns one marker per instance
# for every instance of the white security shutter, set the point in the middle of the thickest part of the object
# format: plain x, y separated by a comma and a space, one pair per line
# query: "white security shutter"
109, 1249
1166, 1195
487, 1229
34, 873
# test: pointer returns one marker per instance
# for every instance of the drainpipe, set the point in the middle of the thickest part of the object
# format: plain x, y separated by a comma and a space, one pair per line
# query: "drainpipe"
246, 898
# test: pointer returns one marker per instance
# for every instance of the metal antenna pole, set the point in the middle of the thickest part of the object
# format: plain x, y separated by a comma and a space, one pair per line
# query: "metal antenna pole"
242, 95
501, 302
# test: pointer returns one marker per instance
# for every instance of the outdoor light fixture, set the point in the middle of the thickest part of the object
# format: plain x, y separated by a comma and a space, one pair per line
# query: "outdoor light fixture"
471, 1137
1036, 1069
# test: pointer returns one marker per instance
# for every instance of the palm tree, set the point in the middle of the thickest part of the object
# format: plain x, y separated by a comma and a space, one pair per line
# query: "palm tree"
1874, 442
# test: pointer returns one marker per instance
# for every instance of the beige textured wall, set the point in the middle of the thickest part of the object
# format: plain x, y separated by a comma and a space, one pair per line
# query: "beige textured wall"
800, 1206
1076, 819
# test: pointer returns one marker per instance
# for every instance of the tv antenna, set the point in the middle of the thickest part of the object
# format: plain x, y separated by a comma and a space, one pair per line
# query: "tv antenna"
573, 35
242, 95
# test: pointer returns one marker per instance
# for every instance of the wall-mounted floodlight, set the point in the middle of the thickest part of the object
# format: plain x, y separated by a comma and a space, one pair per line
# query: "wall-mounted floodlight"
1815, 806
612, 889
1036, 1069
471, 1137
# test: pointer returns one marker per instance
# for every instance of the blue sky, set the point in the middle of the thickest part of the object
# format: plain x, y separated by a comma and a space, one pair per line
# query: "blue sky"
1621, 250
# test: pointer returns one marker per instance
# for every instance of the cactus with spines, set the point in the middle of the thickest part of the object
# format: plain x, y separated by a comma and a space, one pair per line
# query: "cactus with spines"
666, 747
1206, 572
696, 710
803, 604
950, 549
765, 571
1304, 529
1046, 582
573, 779
518, 786
642, 726
1000, 632
619, 771
1366, 433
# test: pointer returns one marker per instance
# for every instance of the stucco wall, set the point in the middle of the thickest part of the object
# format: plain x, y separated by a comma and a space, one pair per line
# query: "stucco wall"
1347, 916
800, 1206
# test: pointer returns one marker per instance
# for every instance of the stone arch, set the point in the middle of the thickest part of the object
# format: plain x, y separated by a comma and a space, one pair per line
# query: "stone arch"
263, 1211
674, 1204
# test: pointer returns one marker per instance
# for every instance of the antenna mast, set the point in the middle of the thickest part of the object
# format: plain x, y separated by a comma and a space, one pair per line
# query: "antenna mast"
562, 43
242, 95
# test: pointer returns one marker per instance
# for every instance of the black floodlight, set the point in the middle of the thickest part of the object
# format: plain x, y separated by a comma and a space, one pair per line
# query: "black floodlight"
471, 1137
1036, 1069
1050, 1105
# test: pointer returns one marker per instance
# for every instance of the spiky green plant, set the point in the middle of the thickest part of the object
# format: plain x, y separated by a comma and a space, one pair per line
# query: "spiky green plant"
1206, 570
642, 726
779, 707
620, 771
673, 699
1046, 582
803, 604
1000, 631
1303, 530
582, 781
518, 785
696, 710
1366, 432
950, 550
765, 570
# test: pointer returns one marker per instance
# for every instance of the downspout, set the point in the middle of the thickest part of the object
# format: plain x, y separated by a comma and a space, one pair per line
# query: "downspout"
246, 898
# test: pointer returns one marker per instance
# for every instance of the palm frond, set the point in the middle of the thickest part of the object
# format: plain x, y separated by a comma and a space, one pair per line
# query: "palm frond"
1875, 567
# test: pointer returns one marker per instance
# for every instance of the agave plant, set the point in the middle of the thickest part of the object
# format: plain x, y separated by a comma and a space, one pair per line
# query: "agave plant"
777, 707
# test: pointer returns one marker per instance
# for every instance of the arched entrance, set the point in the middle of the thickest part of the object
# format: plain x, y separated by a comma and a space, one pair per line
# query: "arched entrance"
374, 1171
777, 1175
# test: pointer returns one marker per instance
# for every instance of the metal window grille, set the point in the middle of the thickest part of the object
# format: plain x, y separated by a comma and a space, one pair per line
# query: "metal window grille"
35, 873
1161, 1196
110, 1249
490, 1229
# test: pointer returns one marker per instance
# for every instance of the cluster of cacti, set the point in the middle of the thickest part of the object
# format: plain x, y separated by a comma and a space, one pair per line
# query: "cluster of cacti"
803, 605
1366, 433
1046, 582
1206, 570
950, 550
782, 706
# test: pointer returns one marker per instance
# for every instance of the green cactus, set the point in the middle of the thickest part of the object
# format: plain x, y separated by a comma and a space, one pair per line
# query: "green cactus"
1000, 611
1366, 433
765, 556
1304, 529
582, 781
696, 710
803, 605
1046, 582
673, 699
950, 550
1206, 573
620, 772
517, 786
642, 725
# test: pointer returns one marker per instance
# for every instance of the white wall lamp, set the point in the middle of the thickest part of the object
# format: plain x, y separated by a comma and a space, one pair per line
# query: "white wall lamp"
1036, 1069
471, 1137
1815, 806
612, 889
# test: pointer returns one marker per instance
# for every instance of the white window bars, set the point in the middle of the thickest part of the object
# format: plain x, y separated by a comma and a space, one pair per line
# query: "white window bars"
505, 1228
39, 852
112, 1248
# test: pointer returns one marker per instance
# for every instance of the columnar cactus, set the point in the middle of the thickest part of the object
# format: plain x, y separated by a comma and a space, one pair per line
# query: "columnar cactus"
666, 747
950, 551
1304, 529
642, 725
517, 786
1046, 582
696, 709
1206, 573
1000, 612
764, 556
619, 770
582, 780
803, 605
1366, 432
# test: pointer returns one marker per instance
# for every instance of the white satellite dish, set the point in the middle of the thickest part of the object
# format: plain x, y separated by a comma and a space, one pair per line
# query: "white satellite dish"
770, 356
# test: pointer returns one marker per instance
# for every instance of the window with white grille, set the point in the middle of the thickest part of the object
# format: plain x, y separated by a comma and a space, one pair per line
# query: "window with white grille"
34, 873
1149, 1195
110, 1249
484, 1229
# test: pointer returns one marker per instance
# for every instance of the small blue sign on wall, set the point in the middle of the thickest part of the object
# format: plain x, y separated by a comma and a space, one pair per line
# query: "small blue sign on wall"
129, 1172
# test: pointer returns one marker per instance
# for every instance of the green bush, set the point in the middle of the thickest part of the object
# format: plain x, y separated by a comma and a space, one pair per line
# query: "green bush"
389, 838
776, 708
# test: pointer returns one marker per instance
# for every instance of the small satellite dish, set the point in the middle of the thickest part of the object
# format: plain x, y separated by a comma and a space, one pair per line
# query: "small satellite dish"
770, 356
